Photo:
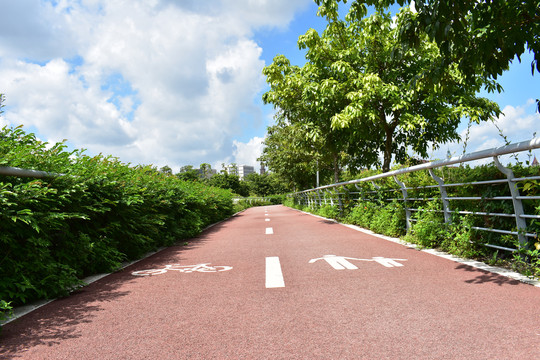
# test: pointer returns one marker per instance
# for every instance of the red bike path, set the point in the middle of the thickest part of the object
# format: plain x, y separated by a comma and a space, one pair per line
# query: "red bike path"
417, 306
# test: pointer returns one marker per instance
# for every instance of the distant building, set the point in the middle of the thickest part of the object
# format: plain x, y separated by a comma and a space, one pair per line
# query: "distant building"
232, 170
244, 170
535, 162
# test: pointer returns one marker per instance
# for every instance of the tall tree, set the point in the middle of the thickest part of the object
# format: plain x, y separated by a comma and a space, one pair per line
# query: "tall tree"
304, 104
286, 156
229, 181
205, 170
362, 88
483, 37
188, 173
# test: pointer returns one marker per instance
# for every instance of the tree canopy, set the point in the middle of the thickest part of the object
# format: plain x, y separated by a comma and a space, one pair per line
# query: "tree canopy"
363, 93
481, 37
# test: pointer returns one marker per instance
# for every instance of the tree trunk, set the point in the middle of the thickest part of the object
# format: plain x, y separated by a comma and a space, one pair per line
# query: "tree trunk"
389, 131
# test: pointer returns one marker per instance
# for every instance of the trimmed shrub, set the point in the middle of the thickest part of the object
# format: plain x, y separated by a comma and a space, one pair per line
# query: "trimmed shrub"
102, 212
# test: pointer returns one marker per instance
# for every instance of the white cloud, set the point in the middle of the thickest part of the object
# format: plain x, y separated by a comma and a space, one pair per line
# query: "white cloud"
248, 153
35, 29
159, 82
517, 123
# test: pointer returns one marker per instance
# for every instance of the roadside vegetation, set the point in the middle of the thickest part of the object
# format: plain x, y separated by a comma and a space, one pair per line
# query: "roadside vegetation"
100, 213
374, 209
253, 185
382, 89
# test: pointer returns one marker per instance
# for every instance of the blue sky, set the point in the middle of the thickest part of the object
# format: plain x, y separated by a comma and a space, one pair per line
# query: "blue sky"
173, 83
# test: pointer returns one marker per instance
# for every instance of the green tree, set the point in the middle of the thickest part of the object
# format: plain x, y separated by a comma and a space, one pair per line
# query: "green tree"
258, 185
166, 170
188, 173
366, 91
205, 170
287, 156
265, 184
297, 96
482, 37
229, 181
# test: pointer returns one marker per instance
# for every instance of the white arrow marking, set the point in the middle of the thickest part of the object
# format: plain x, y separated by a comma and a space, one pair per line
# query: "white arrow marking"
342, 262
274, 276
337, 262
388, 262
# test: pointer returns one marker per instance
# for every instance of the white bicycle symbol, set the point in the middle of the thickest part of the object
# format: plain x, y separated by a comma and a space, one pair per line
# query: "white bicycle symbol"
182, 268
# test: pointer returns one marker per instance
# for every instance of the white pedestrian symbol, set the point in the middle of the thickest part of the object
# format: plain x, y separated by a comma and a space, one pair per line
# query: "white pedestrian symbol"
388, 262
342, 262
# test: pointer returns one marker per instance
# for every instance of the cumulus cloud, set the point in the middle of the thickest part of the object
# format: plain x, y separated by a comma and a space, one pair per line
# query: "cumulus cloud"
517, 123
248, 153
36, 30
160, 82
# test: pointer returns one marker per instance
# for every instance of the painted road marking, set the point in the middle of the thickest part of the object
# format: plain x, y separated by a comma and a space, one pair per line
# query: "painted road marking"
269, 231
274, 276
341, 262
266, 219
183, 269
266, 215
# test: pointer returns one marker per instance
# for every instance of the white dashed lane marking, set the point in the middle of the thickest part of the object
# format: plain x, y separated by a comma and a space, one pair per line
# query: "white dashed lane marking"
274, 276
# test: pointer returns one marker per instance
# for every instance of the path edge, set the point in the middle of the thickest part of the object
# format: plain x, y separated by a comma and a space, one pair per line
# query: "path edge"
20, 311
473, 263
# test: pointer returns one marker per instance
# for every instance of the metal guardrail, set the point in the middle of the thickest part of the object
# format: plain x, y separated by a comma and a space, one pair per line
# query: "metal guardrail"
18, 172
330, 193
251, 200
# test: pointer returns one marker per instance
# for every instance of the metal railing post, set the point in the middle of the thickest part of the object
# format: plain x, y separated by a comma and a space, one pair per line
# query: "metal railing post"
521, 223
340, 201
331, 198
444, 196
360, 192
405, 197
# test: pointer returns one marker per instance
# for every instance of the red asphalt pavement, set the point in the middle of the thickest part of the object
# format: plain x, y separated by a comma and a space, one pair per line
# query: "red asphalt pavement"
429, 308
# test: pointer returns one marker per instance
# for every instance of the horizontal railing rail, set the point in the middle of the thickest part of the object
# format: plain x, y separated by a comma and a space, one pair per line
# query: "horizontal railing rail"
252, 199
336, 194
18, 172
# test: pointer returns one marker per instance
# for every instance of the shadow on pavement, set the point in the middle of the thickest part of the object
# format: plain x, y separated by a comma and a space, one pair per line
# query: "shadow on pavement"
173, 253
58, 320
484, 276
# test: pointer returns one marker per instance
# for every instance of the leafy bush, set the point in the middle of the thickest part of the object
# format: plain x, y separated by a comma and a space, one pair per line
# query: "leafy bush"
6, 310
57, 230
245, 203
461, 239
429, 229
329, 211
389, 220
362, 214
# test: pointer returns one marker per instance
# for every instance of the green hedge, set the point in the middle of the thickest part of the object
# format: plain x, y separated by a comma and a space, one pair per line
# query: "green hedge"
100, 213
